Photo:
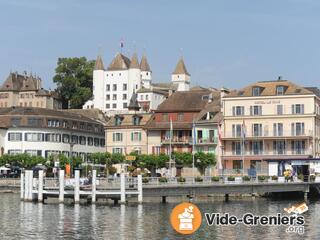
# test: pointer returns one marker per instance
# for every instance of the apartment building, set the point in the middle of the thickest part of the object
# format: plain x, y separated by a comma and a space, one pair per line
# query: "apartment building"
271, 126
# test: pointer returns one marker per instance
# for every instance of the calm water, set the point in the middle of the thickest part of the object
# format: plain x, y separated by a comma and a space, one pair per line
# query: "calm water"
20, 220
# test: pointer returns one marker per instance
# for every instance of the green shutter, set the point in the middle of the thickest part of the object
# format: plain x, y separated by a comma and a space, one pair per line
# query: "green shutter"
140, 136
132, 136
113, 137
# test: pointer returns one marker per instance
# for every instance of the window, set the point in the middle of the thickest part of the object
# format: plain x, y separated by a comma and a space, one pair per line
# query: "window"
53, 123
124, 87
114, 105
117, 150
117, 121
136, 120
279, 147
14, 151
141, 97
180, 117
74, 139
117, 137
108, 87
256, 147
90, 141
298, 147
108, 105
256, 91
33, 152
278, 129
96, 142
297, 129
237, 164
255, 110
236, 130
82, 140
297, 108
238, 110
52, 137
33, 137
236, 148
65, 138
14, 136
125, 105
280, 109
124, 96
257, 130
102, 142
164, 117
114, 97
136, 136
147, 97
34, 122
280, 90
114, 87
15, 122
108, 97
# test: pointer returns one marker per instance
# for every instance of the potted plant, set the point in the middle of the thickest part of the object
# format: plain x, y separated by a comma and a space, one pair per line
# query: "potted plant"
181, 179
261, 178
198, 179
163, 179
246, 178
215, 179
231, 179
145, 180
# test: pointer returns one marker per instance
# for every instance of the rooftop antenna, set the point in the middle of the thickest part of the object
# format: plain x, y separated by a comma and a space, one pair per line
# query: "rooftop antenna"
121, 45
279, 78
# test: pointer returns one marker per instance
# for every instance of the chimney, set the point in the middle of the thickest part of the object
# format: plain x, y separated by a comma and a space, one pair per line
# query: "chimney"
210, 99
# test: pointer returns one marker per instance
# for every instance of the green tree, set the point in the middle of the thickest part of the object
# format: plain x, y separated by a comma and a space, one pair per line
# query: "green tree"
117, 158
204, 160
74, 80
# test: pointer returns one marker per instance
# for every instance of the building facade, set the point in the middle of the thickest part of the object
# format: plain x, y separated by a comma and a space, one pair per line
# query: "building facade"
22, 90
46, 132
113, 87
269, 127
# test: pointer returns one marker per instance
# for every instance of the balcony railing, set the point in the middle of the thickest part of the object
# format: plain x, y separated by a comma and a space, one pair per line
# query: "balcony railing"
177, 140
213, 140
263, 134
270, 153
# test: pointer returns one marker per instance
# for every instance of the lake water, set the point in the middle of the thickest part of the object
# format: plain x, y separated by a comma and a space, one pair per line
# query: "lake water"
21, 220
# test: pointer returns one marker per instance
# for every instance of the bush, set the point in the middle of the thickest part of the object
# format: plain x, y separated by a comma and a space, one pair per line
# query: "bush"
262, 178
145, 180
312, 178
246, 178
231, 178
215, 179
181, 179
112, 170
274, 178
131, 168
198, 179
163, 179
301, 177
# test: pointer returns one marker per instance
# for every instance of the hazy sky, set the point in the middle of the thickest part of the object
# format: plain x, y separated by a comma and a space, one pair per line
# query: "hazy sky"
224, 43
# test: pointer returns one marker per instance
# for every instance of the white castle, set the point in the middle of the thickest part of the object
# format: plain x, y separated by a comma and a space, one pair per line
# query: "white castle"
126, 81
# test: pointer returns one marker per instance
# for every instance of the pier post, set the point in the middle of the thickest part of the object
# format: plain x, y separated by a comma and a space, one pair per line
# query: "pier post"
29, 185
164, 199
61, 186
26, 185
139, 188
94, 186
122, 189
40, 186
77, 186
227, 197
22, 186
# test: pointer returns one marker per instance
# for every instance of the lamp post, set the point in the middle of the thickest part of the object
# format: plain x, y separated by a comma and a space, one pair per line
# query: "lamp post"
70, 154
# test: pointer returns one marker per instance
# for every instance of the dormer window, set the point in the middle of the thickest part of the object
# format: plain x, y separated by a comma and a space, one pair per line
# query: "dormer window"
117, 121
280, 90
256, 91
136, 120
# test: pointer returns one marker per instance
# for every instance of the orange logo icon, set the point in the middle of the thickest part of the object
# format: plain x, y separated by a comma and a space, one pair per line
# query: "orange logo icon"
186, 218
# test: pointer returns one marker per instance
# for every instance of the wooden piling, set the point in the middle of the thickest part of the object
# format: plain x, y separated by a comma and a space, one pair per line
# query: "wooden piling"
94, 186
40, 186
122, 189
77, 186
61, 186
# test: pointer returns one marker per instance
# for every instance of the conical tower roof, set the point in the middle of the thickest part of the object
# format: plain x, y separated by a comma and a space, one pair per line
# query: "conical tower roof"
181, 68
134, 61
134, 105
99, 64
120, 62
144, 65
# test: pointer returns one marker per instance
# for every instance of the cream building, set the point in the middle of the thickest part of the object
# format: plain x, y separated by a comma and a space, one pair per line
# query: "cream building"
269, 127
21, 90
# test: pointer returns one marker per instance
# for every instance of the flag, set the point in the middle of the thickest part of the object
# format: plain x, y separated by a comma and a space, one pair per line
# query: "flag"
219, 132
194, 132
171, 129
121, 43
244, 130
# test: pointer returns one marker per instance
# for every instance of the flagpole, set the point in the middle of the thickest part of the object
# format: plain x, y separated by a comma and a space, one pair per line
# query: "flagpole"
243, 137
170, 148
193, 139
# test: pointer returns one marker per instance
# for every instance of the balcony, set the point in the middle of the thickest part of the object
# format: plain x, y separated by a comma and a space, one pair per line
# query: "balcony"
270, 135
207, 141
252, 153
177, 140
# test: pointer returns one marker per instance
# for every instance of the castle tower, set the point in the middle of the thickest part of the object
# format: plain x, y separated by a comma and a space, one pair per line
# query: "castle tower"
181, 77
98, 84
146, 72
134, 74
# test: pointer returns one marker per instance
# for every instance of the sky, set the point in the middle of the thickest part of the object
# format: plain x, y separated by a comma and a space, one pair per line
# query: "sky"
229, 43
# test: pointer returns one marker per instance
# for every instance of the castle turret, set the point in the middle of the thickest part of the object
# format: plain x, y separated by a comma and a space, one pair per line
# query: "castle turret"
98, 84
146, 72
181, 77
134, 75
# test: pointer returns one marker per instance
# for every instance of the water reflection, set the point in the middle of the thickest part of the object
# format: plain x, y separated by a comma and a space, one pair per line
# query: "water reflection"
23, 220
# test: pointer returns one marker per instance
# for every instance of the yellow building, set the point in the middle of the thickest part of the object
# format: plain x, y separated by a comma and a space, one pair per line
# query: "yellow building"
269, 127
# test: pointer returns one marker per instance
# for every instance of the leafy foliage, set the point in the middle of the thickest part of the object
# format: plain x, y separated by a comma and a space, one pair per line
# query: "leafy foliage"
74, 80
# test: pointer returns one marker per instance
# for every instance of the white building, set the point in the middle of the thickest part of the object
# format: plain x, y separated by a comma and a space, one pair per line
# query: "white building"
45, 132
114, 87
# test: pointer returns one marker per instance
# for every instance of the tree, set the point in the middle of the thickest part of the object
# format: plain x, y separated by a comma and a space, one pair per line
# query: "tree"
74, 80
204, 160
